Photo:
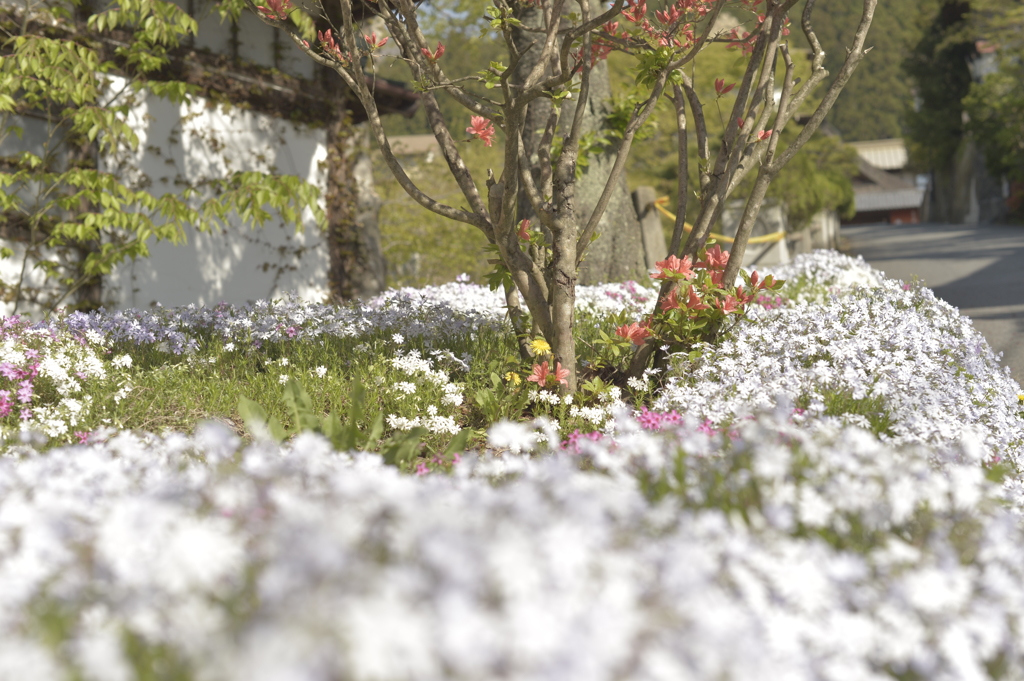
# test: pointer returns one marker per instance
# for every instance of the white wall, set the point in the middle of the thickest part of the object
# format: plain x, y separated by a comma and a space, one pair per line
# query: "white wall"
237, 264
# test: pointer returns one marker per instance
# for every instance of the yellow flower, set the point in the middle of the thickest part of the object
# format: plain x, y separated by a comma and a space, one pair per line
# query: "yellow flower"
513, 378
1021, 397
540, 346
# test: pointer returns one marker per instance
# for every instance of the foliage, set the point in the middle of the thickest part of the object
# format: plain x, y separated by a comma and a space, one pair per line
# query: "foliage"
541, 184
938, 66
874, 104
995, 105
818, 178
76, 220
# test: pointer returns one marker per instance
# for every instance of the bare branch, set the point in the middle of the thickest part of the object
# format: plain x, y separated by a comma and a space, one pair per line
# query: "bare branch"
853, 58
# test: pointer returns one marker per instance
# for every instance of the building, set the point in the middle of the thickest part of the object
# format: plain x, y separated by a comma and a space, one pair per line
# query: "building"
884, 191
265, 106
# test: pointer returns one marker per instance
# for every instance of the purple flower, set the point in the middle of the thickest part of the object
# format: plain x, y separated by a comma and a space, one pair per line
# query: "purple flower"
26, 414
25, 392
9, 371
5, 403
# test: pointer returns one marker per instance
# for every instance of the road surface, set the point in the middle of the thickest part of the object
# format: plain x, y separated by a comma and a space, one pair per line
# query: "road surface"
979, 269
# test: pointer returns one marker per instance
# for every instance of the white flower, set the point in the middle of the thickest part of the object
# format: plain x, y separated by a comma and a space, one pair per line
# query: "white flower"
229, 347
282, 379
638, 384
283, 361
321, 371
432, 410
510, 435
122, 362
405, 387
398, 338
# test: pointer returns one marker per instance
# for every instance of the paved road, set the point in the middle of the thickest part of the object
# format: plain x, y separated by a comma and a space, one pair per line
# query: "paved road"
977, 269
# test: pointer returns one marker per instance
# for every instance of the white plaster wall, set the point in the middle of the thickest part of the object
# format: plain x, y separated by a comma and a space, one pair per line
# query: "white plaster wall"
236, 264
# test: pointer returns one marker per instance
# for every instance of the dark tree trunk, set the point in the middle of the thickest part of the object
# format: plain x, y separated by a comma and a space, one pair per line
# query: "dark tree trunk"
357, 268
619, 253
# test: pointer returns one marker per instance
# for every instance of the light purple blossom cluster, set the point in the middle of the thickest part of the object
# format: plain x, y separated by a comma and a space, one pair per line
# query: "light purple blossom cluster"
828, 554
43, 377
907, 355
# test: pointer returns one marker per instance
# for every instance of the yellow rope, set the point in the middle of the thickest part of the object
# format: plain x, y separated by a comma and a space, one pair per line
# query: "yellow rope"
765, 239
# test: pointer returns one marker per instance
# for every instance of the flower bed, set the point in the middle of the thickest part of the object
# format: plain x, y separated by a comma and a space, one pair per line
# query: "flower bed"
776, 514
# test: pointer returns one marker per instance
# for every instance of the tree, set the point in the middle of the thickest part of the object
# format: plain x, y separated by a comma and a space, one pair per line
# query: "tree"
938, 66
69, 77
995, 101
541, 266
875, 101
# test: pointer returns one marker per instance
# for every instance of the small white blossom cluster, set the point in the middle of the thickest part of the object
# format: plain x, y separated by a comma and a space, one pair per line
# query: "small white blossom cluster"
44, 373
813, 276
413, 365
922, 371
772, 552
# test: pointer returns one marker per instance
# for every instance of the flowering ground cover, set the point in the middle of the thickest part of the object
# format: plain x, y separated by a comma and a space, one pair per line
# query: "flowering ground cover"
832, 491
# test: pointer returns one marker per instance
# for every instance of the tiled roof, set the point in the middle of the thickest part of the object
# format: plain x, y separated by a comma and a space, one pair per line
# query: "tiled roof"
884, 154
888, 200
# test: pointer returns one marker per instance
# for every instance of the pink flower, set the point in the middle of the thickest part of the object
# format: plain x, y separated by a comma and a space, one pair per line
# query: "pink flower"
435, 55
764, 134
524, 226
372, 41
277, 9
83, 436
482, 128
328, 45
693, 302
722, 89
541, 374
421, 468
636, 10
674, 268
714, 259
634, 333
730, 304
671, 301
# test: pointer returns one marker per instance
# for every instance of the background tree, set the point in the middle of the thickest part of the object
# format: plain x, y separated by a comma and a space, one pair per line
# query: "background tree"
875, 102
71, 75
541, 266
995, 101
938, 67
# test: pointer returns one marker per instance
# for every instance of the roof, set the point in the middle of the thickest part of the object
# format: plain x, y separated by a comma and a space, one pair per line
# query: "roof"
412, 145
889, 200
885, 154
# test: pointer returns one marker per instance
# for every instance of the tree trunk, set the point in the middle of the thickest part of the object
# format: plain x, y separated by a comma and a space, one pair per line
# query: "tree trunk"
618, 254
357, 268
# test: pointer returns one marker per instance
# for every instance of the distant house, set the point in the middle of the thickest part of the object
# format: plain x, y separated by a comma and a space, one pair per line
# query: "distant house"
265, 106
884, 190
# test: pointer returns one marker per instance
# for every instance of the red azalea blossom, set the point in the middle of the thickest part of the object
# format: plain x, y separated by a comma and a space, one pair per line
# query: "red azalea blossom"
693, 302
482, 128
611, 27
541, 374
721, 88
328, 45
730, 304
673, 266
372, 41
714, 259
634, 333
276, 9
436, 54
523, 227
671, 301
636, 10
